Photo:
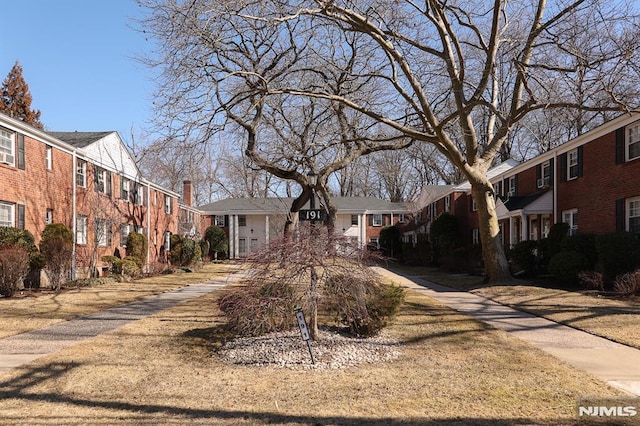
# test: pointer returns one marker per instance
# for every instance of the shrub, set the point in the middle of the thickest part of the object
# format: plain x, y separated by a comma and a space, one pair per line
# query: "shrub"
591, 280
364, 306
524, 256
566, 265
14, 265
217, 240
584, 244
618, 253
444, 235
557, 233
254, 310
56, 245
130, 268
115, 264
175, 254
191, 252
628, 284
137, 247
204, 249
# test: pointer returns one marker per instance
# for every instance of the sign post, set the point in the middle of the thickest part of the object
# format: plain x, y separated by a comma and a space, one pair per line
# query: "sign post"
304, 331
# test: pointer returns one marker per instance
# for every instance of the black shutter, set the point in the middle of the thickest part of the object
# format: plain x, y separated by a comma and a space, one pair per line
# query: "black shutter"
620, 145
21, 159
370, 219
563, 167
21, 216
580, 159
108, 183
620, 218
538, 175
551, 171
96, 173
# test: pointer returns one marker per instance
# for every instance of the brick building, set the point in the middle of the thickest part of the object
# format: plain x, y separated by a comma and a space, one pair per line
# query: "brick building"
87, 181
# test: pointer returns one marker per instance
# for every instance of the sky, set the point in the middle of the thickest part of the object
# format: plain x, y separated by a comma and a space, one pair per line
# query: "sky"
78, 58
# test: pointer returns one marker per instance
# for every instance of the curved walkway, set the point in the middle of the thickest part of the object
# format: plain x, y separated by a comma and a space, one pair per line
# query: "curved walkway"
616, 364
23, 348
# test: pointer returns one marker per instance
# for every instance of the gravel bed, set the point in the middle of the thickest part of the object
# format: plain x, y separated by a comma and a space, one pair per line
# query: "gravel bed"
288, 350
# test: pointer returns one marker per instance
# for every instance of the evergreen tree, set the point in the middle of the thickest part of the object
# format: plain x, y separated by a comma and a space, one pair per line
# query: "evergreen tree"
15, 98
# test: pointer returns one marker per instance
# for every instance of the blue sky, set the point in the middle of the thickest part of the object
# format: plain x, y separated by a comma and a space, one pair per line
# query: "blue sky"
77, 58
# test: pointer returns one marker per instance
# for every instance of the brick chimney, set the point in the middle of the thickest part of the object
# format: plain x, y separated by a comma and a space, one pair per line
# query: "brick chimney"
187, 194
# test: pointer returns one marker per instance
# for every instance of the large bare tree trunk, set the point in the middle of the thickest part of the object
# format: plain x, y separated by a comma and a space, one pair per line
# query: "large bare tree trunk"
495, 261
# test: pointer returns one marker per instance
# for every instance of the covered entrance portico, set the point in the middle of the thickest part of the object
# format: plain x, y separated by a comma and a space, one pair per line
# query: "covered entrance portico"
526, 218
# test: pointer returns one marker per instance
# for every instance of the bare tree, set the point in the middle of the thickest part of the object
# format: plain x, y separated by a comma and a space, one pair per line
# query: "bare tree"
454, 74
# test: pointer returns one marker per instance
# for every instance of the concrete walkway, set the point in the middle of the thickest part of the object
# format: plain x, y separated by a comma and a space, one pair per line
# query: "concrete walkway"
616, 364
23, 348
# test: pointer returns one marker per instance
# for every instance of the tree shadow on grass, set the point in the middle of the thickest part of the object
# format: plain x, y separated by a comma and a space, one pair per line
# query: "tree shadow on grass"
21, 387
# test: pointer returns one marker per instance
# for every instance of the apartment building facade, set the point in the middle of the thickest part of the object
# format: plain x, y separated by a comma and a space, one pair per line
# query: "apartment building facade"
87, 181
591, 182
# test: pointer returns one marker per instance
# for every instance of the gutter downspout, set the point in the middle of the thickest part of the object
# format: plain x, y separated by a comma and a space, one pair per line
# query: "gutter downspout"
555, 187
148, 199
74, 214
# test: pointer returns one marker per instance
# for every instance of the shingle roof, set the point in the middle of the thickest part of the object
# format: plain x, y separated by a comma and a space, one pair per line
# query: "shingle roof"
519, 203
282, 205
79, 139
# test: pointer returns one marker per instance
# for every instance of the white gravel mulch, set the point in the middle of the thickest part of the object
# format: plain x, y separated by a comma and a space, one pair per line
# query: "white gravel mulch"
288, 350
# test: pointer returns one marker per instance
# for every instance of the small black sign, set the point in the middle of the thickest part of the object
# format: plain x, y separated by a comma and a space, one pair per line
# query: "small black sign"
312, 214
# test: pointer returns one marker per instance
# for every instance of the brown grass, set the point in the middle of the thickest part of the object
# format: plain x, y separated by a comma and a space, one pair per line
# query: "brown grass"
614, 319
164, 370
33, 310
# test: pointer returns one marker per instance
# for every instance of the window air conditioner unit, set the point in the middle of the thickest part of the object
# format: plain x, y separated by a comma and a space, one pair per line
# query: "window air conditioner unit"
6, 158
540, 183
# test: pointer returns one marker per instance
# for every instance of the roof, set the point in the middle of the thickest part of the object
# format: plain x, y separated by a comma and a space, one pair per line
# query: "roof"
537, 203
501, 168
79, 139
283, 204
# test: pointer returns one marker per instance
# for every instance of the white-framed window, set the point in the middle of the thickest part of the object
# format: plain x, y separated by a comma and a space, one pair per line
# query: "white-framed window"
139, 195
572, 164
167, 204
167, 240
475, 236
242, 246
81, 174
633, 215
377, 220
533, 228
546, 226
498, 189
81, 230
103, 233
432, 210
48, 157
375, 242
253, 245
447, 203
400, 217
7, 214
125, 188
354, 220
48, 219
125, 229
218, 220
512, 186
7, 147
570, 217
545, 175
242, 220
102, 181
633, 141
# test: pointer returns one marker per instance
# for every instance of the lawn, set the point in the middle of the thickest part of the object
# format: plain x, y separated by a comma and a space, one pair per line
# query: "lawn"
164, 370
613, 318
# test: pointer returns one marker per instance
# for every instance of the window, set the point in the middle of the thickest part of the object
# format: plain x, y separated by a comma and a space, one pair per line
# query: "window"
242, 221
103, 232
102, 181
633, 141
81, 230
501, 225
81, 174
498, 189
167, 204
242, 246
6, 214
48, 219
474, 205
139, 194
21, 215
400, 217
377, 220
475, 236
374, 242
546, 226
7, 152
125, 229
545, 175
354, 220
572, 164
447, 203
533, 228
633, 215
125, 188
570, 217
49, 157
167, 240
512, 186
218, 221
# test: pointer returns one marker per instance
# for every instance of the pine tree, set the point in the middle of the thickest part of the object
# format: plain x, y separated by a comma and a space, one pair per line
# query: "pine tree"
15, 98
